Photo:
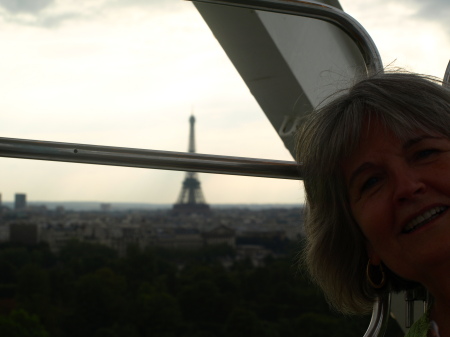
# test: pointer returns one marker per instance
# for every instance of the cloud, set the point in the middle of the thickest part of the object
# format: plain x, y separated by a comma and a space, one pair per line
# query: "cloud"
54, 13
43, 13
433, 8
25, 6
56, 20
42, 21
143, 3
437, 11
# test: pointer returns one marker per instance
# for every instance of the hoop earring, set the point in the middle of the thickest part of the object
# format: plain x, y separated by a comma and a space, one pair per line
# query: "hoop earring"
381, 277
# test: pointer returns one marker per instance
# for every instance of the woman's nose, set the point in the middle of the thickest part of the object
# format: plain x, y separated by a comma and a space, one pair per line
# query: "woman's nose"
408, 185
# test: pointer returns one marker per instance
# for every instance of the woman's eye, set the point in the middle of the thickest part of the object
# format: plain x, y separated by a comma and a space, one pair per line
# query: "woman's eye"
369, 183
425, 153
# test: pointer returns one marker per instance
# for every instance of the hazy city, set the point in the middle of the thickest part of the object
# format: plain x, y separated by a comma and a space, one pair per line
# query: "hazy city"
157, 226
94, 249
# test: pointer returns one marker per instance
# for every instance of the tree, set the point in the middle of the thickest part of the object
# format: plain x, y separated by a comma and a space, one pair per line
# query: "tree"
99, 300
158, 315
83, 257
245, 323
20, 323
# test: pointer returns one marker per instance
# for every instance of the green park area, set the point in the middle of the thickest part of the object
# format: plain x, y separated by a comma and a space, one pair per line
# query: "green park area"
88, 290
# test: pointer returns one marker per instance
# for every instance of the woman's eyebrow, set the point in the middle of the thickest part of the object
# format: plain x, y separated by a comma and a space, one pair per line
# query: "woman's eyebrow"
408, 144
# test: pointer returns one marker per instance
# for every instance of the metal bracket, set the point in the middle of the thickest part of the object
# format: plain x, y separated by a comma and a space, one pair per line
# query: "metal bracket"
380, 316
446, 81
418, 294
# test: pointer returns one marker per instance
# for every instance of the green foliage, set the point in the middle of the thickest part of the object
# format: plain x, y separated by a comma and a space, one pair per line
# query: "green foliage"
16, 256
159, 314
87, 290
245, 323
8, 273
102, 299
83, 257
20, 323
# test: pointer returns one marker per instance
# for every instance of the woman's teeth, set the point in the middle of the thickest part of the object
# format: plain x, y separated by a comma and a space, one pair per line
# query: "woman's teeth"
423, 219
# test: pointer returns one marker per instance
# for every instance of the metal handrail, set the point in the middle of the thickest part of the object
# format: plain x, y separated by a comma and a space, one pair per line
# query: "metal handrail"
380, 316
320, 11
446, 80
129, 157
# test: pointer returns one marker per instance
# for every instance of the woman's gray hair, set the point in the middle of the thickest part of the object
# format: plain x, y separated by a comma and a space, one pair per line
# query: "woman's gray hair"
335, 252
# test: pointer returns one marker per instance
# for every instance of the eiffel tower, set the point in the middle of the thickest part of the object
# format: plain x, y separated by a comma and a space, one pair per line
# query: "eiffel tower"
191, 198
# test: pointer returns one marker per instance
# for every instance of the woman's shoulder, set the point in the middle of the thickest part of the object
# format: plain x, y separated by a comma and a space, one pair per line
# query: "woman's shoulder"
420, 327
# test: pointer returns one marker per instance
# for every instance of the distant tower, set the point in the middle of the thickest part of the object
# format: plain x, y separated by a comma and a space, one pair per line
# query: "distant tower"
20, 202
191, 198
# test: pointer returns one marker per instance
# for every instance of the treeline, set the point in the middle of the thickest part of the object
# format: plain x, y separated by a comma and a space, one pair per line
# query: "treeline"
87, 290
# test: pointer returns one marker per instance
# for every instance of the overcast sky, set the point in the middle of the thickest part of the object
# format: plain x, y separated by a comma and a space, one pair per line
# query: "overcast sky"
129, 73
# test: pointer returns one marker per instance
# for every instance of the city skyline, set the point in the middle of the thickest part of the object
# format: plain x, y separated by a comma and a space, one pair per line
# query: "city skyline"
129, 74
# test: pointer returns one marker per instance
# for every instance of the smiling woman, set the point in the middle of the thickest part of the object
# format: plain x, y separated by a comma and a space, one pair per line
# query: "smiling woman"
375, 162
398, 192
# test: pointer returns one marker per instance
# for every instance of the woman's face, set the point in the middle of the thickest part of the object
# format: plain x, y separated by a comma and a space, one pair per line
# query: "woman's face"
399, 193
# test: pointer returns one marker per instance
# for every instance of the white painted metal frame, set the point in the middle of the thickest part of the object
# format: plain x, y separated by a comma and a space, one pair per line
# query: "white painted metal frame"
320, 11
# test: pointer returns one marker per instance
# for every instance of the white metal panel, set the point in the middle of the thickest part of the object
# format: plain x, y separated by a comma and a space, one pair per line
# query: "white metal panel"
289, 63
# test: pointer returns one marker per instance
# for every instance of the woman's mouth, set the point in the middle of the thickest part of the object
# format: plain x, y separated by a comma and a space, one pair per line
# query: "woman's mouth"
423, 219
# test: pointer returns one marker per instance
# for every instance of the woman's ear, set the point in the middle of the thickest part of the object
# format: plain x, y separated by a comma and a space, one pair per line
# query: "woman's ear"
374, 258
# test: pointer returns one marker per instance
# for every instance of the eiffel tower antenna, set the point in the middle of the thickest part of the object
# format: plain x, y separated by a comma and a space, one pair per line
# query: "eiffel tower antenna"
191, 148
191, 198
